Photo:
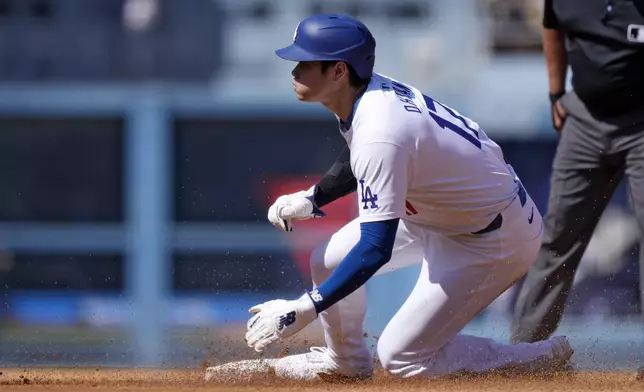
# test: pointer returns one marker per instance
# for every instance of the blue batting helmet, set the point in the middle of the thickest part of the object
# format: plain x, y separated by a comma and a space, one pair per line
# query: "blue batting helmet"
333, 37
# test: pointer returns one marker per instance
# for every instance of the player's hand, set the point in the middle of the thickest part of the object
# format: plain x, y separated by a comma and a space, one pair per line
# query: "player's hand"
296, 206
558, 112
278, 319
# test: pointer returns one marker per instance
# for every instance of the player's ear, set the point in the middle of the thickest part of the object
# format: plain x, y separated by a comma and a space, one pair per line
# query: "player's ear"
340, 70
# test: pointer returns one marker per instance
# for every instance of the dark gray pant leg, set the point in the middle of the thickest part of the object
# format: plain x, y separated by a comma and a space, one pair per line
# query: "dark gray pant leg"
635, 173
581, 185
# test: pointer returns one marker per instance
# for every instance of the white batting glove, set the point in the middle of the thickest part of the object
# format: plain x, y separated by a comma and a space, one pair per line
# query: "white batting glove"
297, 206
278, 319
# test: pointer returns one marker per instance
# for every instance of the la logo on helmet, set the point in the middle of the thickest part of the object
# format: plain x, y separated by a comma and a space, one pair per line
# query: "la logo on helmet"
295, 32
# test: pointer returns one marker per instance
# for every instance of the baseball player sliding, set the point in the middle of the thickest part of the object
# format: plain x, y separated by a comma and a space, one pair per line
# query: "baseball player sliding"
433, 189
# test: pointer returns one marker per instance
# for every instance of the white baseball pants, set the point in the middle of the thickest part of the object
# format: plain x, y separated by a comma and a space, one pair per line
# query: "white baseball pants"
459, 277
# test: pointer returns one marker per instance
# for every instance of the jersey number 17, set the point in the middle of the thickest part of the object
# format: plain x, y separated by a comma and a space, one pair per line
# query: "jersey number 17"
467, 131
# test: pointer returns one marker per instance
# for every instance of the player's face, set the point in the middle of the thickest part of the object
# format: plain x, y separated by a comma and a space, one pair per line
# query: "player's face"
310, 83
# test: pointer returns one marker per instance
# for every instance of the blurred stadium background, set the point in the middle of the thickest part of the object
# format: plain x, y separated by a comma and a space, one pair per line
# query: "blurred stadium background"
142, 141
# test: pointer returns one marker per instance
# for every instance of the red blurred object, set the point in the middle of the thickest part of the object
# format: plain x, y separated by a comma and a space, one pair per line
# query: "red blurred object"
338, 213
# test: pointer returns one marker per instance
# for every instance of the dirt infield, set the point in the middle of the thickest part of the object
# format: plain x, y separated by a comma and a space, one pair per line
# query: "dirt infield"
24, 380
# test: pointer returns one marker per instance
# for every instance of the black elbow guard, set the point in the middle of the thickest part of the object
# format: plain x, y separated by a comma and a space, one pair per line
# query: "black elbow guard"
339, 181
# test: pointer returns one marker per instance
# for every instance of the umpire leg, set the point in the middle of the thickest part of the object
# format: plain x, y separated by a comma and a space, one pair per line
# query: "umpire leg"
634, 145
582, 183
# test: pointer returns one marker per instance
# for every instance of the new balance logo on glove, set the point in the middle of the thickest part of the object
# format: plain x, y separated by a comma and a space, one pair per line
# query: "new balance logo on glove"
286, 320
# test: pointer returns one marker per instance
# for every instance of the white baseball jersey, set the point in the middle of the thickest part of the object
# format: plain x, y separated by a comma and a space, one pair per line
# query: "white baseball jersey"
421, 161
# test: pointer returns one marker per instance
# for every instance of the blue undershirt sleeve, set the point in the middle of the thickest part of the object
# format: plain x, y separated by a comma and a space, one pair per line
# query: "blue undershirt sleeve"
372, 251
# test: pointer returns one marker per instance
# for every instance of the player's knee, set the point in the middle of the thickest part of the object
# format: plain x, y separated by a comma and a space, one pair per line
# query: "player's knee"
390, 360
327, 256
398, 360
392, 355
385, 357
318, 265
